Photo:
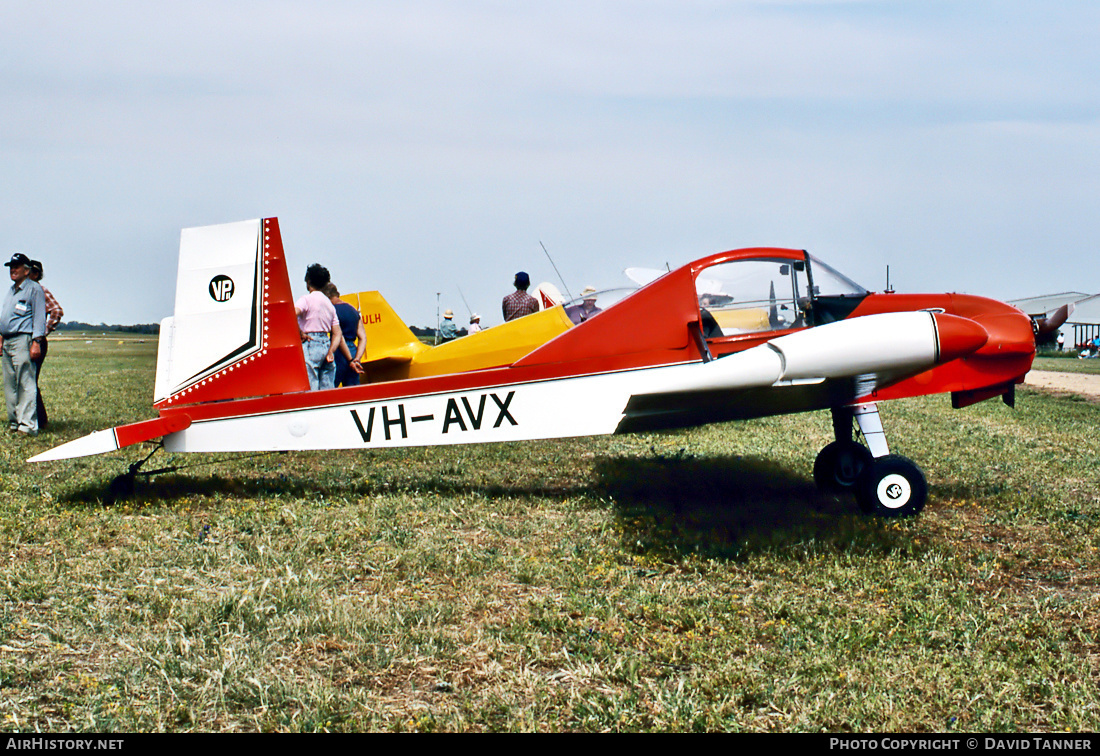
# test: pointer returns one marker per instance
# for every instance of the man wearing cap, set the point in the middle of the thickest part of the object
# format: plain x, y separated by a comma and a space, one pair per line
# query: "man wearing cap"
448, 331
23, 326
519, 302
54, 313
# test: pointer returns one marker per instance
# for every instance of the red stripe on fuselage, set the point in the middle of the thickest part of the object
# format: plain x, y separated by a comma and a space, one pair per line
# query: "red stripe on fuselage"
415, 387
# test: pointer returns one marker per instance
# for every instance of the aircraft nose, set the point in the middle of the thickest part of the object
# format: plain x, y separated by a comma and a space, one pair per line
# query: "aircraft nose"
958, 337
1010, 335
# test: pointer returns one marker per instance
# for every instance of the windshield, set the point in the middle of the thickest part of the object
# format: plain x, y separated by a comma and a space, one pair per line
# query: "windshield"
831, 283
591, 302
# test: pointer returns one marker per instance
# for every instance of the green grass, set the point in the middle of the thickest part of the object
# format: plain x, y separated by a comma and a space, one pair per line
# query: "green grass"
684, 581
1067, 364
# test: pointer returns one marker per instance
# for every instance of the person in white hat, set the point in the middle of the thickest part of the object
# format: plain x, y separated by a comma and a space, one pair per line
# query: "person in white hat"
448, 331
586, 309
475, 324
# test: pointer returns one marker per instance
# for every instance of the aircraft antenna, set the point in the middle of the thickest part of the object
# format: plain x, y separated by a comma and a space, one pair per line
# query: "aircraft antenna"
888, 289
551, 259
471, 312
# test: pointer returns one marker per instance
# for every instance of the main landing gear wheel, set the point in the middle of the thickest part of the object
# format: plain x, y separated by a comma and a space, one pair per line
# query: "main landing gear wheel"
891, 486
838, 466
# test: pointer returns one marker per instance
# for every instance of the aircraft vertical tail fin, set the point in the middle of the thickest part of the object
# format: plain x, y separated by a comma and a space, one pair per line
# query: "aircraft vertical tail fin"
234, 333
388, 338
548, 295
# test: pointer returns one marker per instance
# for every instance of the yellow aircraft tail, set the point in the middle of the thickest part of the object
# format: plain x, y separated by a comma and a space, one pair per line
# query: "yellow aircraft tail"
388, 338
395, 353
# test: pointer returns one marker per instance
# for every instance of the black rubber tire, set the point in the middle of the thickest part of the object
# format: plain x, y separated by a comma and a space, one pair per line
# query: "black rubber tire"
891, 486
838, 466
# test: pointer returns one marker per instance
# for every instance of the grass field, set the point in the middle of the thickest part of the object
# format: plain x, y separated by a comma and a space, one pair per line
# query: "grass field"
1067, 364
693, 580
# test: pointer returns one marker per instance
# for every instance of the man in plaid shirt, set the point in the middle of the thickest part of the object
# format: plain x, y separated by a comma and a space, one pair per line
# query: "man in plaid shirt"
519, 302
54, 313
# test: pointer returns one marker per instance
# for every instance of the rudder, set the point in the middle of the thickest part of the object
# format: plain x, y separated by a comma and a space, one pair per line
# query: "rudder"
233, 333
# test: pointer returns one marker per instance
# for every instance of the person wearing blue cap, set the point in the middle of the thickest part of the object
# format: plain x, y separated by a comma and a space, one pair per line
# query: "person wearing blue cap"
519, 302
23, 327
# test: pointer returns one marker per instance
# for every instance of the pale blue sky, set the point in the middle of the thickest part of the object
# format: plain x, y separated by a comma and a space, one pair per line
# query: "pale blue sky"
417, 147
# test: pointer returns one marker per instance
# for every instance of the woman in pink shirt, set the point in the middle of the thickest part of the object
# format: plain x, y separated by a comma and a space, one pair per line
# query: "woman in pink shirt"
320, 329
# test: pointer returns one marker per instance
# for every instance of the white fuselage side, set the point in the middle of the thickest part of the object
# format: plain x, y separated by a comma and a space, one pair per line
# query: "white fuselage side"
867, 348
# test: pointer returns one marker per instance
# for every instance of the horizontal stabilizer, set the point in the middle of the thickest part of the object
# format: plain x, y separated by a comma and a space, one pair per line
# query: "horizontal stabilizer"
116, 438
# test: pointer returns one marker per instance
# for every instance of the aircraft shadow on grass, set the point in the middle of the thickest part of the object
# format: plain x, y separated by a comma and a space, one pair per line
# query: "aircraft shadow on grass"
718, 507
732, 508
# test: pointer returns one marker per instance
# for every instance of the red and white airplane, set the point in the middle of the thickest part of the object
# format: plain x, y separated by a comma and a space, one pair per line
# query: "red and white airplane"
738, 334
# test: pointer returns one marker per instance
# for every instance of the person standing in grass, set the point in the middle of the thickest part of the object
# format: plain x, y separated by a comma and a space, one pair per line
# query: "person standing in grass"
319, 329
23, 327
54, 313
348, 367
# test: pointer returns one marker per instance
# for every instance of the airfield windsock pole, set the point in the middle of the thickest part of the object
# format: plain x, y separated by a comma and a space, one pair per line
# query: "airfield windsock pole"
551, 259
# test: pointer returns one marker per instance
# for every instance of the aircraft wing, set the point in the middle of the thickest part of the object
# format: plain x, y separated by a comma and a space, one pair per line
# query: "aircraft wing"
642, 276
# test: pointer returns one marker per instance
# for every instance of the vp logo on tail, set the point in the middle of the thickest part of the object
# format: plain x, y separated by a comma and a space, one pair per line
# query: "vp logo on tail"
221, 288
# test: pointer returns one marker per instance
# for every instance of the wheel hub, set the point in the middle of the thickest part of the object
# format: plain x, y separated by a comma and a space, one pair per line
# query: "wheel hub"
894, 491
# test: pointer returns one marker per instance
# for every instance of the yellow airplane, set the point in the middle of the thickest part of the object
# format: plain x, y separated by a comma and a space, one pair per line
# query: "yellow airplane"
395, 353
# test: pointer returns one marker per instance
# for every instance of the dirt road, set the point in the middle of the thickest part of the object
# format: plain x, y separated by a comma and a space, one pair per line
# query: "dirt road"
1068, 383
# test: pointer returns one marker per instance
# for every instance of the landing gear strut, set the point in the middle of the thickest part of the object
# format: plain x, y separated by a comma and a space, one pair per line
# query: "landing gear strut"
122, 486
884, 484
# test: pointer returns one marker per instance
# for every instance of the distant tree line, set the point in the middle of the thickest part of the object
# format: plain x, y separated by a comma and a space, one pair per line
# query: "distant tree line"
76, 325
154, 328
